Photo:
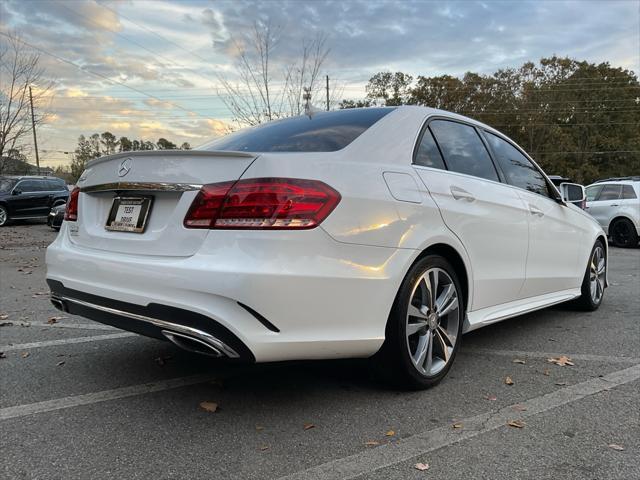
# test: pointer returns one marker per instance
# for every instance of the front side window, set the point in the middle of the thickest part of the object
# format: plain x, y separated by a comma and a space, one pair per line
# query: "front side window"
628, 192
323, 132
428, 154
518, 169
463, 150
610, 192
593, 192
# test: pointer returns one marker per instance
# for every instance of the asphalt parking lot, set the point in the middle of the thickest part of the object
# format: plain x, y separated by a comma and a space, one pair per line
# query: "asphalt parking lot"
82, 400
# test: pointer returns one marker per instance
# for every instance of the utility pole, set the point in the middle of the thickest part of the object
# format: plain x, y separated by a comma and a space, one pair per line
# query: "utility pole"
33, 125
327, 77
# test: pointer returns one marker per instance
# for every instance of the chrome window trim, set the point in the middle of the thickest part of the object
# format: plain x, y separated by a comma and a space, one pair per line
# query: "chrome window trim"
144, 186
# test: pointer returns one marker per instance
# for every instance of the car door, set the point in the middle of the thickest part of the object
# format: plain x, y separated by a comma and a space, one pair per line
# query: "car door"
605, 205
555, 232
487, 216
32, 200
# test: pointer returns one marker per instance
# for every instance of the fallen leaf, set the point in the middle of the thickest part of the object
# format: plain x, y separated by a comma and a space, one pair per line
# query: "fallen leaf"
617, 447
519, 408
53, 320
209, 406
518, 360
6, 324
561, 361
421, 466
2, 355
390, 433
457, 425
546, 372
516, 423
561, 384
3, 316
59, 364
308, 426
508, 381
259, 428
491, 398
264, 447
371, 443
25, 354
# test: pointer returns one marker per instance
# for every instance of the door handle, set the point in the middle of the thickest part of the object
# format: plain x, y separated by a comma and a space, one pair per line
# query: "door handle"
536, 211
461, 194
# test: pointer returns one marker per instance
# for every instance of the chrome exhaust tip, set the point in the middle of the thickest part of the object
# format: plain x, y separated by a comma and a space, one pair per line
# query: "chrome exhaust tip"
193, 344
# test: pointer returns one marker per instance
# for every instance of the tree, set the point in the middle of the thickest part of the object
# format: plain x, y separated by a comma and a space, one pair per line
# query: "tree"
164, 144
109, 143
390, 88
19, 69
252, 96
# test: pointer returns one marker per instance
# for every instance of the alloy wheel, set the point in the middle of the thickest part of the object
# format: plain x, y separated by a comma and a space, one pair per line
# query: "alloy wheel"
597, 271
433, 320
621, 233
3, 216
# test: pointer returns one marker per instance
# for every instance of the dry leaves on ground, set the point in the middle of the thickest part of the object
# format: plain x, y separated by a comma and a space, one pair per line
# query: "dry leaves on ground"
561, 384
519, 408
390, 433
2, 355
25, 354
308, 426
259, 428
371, 443
53, 320
421, 466
209, 406
59, 364
4, 316
491, 398
546, 372
561, 361
516, 423
6, 324
615, 446
509, 381
519, 360
457, 425
264, 447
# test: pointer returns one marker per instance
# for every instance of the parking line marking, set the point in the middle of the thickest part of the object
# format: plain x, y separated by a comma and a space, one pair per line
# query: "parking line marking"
64, 341
80, 326
103, 396
577, 356
377, 458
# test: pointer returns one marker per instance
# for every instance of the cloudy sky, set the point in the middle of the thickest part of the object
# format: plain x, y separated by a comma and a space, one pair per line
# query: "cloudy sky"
150, 68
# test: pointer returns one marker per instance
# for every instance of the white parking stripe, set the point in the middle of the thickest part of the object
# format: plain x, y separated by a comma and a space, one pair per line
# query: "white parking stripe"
64, 341
80, 326
576, 356
391, 454
103, 396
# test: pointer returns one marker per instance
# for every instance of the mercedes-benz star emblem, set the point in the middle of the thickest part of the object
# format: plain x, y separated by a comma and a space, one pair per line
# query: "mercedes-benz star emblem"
125, 167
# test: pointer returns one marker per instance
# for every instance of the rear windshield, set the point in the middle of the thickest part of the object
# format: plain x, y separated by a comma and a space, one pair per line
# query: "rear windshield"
323, 132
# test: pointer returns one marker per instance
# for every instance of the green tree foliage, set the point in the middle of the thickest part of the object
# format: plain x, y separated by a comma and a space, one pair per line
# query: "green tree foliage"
106, 143
577, 119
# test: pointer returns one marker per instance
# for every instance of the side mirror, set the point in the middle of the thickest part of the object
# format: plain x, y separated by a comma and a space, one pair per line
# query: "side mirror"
16, 191
572, 192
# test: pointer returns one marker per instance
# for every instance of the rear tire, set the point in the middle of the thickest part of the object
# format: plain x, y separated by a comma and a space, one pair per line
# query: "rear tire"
593, 283
423, 330
4, 216
623, 233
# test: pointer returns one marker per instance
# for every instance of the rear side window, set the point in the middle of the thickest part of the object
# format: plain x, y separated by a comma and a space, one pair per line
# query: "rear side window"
428, 154
463, 150
592, 192
323, 132
55, 185
518, 169
610, 192
29, 186
628, 192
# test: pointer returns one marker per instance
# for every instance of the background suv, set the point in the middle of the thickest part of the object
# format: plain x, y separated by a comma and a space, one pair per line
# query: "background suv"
30, 197
615, 204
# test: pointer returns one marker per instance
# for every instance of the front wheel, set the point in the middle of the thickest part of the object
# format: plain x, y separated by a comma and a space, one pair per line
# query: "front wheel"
623, 233
424, 327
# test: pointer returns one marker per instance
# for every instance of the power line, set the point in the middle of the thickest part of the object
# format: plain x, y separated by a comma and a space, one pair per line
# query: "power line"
79, 67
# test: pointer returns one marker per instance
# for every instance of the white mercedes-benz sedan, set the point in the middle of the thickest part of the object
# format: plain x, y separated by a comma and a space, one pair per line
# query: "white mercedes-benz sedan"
378, 232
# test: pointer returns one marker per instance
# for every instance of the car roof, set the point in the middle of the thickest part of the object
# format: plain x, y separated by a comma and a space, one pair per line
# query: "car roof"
31, 177
633, 179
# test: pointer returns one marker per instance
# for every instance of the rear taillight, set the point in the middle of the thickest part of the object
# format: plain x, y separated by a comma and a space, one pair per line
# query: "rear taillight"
71, 212
262, 203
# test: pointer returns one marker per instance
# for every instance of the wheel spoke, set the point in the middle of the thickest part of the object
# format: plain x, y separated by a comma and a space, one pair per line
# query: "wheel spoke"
413, 328
445, 336
450, 304
417, 312
443, 345
427, 367
422, 349
433, 287
601, 266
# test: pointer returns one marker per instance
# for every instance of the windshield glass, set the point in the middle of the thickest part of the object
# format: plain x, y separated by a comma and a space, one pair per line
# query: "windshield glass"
6, 184
323, 132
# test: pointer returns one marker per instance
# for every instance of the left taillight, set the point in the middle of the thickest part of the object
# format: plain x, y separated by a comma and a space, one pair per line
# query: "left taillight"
71, 212
262, 203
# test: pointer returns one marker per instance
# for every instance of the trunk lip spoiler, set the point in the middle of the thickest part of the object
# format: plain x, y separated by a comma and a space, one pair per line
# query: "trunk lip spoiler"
170, 153
144, 186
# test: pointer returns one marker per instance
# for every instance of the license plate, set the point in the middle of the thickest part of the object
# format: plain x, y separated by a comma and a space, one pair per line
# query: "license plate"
129, 214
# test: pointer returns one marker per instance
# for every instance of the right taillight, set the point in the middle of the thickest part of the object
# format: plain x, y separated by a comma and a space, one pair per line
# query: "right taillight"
262, 203
71, 212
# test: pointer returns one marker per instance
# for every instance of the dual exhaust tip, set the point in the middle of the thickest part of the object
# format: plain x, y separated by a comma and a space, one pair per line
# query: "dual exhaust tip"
192, 344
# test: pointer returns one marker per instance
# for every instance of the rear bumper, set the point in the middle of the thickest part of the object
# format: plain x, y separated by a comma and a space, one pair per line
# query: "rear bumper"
268, 297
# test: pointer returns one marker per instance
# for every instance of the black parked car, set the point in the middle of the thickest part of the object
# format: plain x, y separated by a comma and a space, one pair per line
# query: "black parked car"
30, 197
56, 215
